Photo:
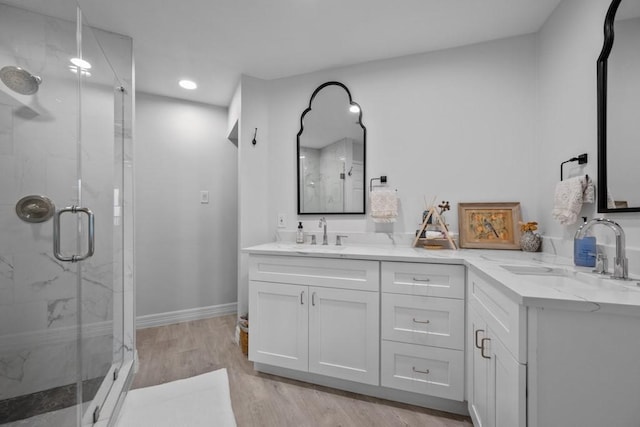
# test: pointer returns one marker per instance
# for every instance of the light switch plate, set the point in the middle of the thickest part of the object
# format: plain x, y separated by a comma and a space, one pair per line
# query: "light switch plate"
282, 220
204, 197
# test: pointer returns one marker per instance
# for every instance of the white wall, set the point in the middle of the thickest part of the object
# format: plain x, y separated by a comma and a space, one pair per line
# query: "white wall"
458, 124
253, 171
569, 44
186, 252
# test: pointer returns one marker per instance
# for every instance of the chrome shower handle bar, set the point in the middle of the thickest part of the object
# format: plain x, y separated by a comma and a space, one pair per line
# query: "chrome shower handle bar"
90, 234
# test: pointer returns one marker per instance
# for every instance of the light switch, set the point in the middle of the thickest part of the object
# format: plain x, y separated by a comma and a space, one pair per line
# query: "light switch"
204, 197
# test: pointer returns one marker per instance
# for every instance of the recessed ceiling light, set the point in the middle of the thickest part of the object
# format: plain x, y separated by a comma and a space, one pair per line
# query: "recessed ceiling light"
187, 84
354, 109
79, 62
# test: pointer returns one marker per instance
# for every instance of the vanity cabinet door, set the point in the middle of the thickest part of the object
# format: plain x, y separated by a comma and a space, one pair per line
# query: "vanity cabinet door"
496, 380
477, 369
279, 319
506, 387
344, 334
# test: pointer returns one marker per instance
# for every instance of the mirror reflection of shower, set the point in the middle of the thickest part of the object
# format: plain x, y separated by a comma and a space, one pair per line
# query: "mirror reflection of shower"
20, 80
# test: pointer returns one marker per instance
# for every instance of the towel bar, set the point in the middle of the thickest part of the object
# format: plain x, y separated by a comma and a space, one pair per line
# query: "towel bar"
581, 159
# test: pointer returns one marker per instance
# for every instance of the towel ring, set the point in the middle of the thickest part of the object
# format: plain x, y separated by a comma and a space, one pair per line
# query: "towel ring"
581, 159
382, 179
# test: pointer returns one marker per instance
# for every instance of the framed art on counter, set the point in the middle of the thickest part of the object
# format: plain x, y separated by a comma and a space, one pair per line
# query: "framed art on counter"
489, 225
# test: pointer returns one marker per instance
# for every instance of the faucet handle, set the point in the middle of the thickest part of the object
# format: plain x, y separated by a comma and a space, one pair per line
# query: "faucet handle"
339, 239
601, 264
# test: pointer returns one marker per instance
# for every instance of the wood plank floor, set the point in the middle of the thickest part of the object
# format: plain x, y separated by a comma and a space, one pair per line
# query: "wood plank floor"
183, 350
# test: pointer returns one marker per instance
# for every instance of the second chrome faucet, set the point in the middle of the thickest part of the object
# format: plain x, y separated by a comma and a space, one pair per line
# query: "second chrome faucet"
620, 262
323, 223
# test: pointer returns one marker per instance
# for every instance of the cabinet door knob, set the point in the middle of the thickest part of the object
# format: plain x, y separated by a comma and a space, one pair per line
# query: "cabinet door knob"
419, 371
421, 321
476, 343
483, 348
302, 298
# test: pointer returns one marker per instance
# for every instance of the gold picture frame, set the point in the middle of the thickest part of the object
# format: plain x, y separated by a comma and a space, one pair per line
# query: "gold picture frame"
489, 225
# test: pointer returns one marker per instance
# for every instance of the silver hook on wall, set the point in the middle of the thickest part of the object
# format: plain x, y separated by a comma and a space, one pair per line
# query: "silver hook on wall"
255, 133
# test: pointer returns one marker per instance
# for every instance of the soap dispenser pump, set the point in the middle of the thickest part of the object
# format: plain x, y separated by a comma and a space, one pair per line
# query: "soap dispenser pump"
584, 250
300, 233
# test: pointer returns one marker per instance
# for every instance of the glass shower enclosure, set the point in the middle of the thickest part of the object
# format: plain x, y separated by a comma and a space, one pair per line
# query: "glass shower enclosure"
66, 297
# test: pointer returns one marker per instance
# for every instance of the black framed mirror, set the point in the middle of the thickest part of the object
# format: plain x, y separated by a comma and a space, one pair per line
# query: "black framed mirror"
618, 77
331, 153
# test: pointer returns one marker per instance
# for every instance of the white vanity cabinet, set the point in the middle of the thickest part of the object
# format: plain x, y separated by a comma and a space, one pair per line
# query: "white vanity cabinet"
423, 328
315, 314
496, 356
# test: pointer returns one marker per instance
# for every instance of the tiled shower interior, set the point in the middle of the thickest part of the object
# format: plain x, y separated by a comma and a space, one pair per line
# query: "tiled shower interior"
62, 324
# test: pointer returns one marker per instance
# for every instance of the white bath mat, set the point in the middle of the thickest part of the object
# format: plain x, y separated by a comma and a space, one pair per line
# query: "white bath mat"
203, 400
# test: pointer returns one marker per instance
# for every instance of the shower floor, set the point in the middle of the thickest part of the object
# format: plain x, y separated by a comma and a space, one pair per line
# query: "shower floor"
53, 399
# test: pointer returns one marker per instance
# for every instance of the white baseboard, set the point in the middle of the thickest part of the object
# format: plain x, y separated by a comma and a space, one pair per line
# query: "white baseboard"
161, 319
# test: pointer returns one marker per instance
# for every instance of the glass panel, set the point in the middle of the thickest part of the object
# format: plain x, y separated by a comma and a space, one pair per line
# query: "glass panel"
39, 298
97, 173
106, 119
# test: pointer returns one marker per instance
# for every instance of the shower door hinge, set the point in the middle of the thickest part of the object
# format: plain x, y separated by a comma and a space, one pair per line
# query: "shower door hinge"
116, 371
96, 414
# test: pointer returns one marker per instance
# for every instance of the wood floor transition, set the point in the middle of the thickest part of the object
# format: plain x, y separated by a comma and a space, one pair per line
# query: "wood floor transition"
182, 350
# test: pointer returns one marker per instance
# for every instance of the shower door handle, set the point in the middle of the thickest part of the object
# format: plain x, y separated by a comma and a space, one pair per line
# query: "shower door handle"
90, 234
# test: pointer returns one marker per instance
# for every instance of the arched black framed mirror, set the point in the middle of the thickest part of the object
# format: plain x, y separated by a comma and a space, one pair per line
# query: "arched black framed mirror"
331, 153
618, 69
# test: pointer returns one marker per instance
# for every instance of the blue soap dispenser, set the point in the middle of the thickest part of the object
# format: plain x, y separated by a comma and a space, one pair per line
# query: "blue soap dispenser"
584, 250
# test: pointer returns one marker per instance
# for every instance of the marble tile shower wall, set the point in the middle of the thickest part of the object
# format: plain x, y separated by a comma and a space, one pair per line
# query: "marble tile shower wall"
38, 294
321, 176
331, 166
310, 176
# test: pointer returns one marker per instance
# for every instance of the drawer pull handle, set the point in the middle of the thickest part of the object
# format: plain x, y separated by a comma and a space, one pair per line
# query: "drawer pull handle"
419, 371
478, 345
416, 279
313, 299
301, 298
483, 348
421, 321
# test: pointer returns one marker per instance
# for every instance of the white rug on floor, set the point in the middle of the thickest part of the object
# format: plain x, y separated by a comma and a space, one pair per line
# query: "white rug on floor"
203, 400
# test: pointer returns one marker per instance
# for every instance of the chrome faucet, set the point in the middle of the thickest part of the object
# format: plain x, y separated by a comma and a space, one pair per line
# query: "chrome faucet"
323, 223
620, 262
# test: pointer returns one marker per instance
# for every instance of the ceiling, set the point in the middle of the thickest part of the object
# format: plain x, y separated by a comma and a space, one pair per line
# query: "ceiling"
214, 42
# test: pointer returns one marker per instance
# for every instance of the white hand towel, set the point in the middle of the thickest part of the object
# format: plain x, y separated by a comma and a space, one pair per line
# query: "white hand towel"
569, 196
384, 205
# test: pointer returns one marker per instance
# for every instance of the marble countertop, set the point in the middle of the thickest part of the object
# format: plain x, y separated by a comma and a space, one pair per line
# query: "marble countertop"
531, 279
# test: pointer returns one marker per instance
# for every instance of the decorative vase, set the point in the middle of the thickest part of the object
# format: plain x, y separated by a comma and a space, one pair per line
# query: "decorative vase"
530, 241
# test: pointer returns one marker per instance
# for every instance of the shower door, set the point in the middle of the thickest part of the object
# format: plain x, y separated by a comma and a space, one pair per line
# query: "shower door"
61, 227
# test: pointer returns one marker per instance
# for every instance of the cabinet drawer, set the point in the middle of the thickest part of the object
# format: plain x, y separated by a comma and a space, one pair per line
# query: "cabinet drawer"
505, 317
421, 369
423, 320
325, 272
438, 280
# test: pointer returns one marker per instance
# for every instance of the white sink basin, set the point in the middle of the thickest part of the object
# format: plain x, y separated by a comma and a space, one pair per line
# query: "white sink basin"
535, 270
564, 278
319, 248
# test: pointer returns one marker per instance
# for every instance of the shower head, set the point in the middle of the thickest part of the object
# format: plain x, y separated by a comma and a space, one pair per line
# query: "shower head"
19, 80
